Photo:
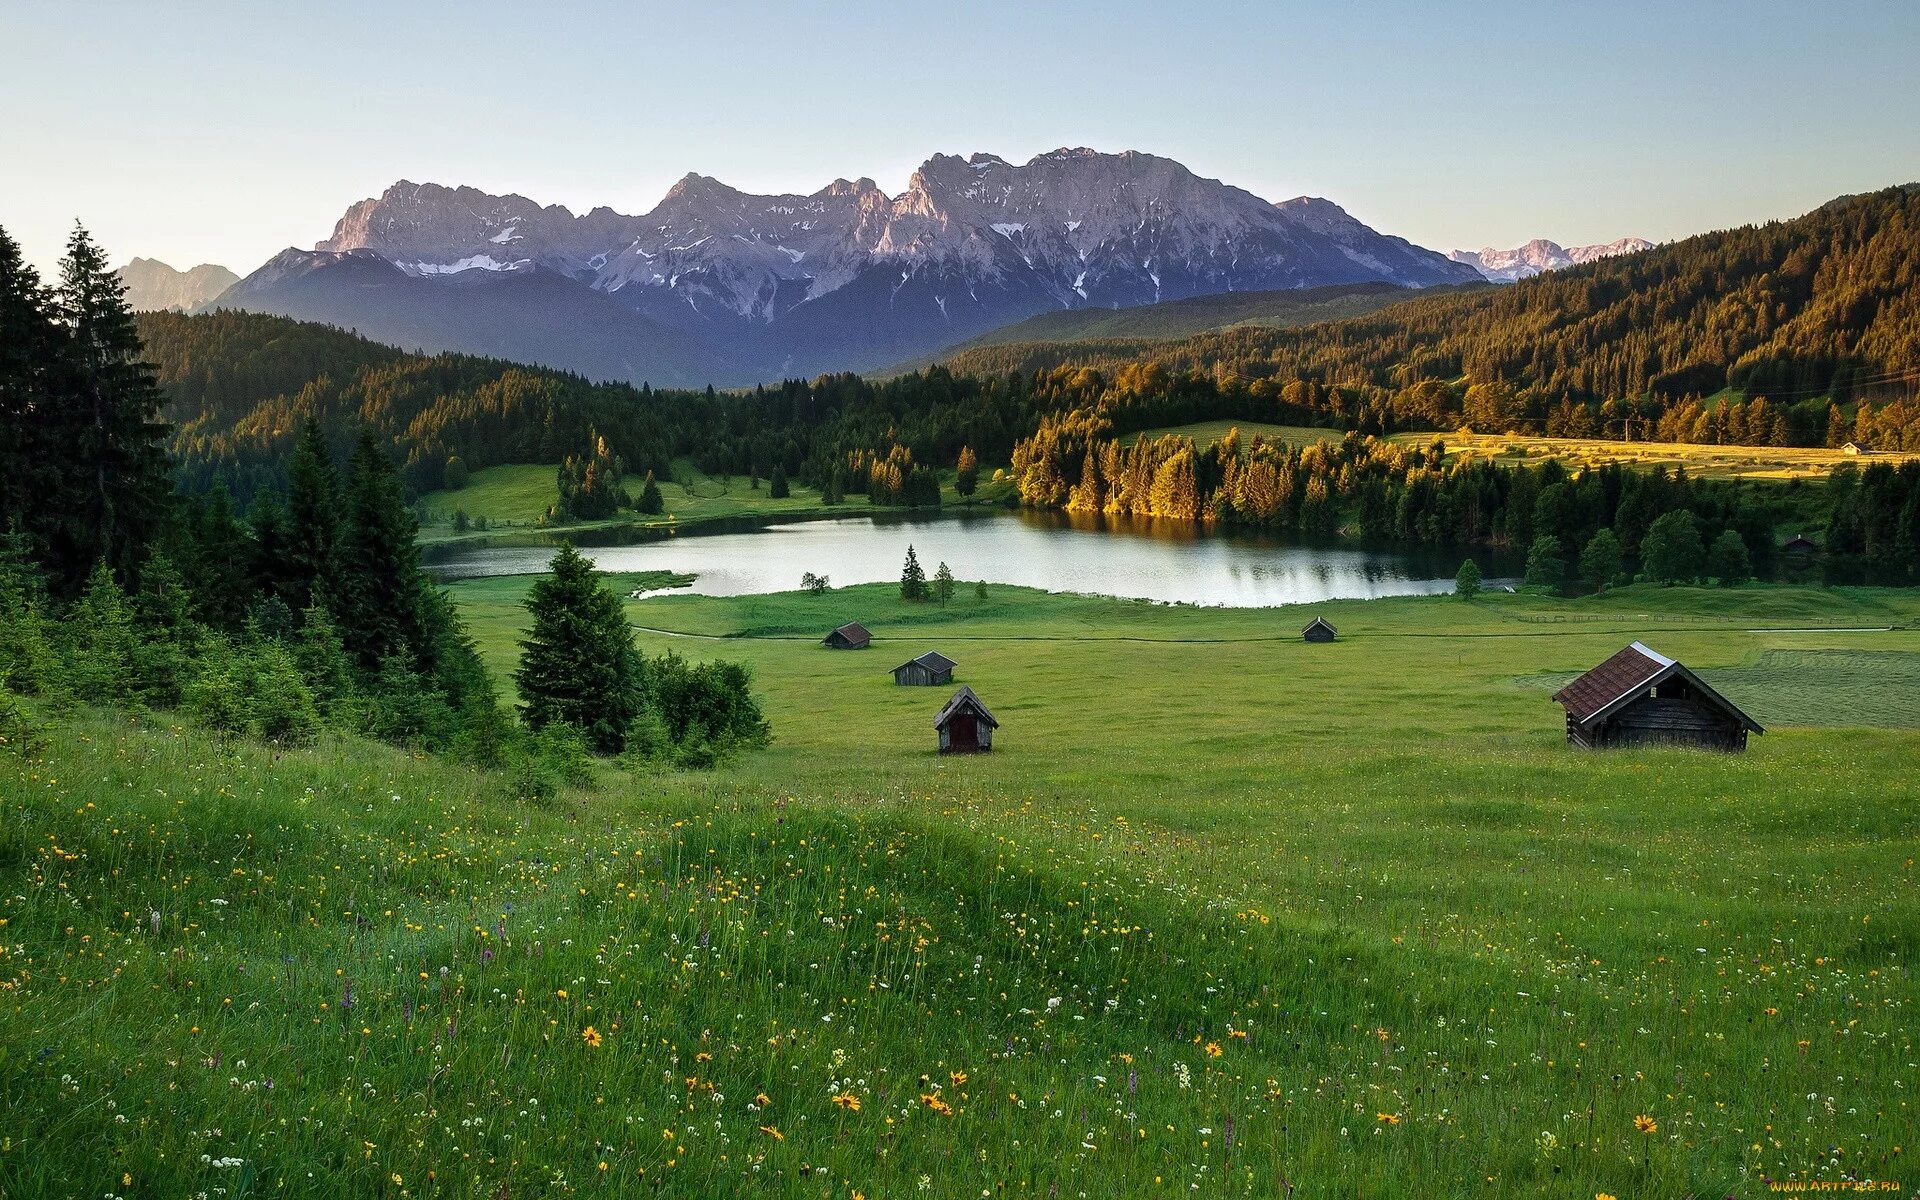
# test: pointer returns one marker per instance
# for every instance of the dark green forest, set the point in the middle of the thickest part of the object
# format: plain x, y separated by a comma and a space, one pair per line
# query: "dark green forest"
311, 610
1819, 316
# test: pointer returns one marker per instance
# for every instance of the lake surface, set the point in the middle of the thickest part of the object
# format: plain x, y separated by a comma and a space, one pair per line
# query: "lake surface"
1165, 561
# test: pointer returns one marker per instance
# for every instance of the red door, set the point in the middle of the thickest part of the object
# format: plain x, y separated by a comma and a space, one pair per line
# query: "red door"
963, 733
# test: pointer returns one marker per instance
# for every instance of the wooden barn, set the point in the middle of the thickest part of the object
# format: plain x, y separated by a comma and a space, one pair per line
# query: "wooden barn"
965, 725
931, 669
1801, 545
1640, 697
851, 636
1319, 630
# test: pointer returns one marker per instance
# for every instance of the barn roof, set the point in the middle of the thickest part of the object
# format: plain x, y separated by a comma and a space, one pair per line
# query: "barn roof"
1322, 622
964, 698
855, 631
1629, 674
933, 660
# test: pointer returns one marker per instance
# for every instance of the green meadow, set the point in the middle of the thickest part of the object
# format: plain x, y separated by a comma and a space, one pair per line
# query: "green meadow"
1223, 913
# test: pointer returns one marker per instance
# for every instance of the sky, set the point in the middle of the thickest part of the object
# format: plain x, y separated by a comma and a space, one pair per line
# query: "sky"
194, 131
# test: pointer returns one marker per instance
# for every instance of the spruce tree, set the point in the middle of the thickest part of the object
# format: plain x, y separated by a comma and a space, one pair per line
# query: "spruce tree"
578, 664
32, 347
913, 578
312, 526
777, 486
651, 502
377, 597
110, 428
219, 568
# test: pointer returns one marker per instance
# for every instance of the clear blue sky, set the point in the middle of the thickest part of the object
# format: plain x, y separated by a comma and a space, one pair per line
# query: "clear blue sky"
193, 131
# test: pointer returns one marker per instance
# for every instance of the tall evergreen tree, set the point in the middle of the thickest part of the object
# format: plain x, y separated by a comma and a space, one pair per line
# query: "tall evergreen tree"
578, 664
312, 525
913, 578
378, 594
32, 348
118, 492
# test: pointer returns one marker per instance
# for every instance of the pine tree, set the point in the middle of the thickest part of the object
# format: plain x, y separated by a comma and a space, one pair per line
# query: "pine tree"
966, 475
312, 530
777, 486
943, 585
651, 502
218, 569
32, 348
110, 443
578, 664
913, 578
101, 640
377, 596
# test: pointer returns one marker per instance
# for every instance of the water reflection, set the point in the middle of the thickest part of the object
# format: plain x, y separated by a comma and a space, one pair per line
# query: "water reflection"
1133, 557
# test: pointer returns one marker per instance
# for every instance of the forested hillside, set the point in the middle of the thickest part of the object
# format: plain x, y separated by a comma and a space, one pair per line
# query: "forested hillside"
1820, 316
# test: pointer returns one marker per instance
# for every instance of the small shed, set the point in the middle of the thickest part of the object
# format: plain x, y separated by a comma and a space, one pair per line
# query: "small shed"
1319, 630
965, 725
1640, 697
1801, 544
851, 636
1854, 450
931, 669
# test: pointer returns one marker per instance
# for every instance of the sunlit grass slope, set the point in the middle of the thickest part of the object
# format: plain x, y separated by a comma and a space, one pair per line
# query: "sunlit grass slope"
1222, 913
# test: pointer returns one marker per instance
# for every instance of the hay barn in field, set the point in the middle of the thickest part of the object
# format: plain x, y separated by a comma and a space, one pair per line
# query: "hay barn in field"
1319, 630
931, 669
1640, 697
851, 636
965, 726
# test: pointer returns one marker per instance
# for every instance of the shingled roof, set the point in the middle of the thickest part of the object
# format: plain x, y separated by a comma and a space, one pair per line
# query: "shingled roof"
964, 698
1628, 674
932, 660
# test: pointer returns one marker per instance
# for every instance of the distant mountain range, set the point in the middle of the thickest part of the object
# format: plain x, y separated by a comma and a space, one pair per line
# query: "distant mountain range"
717, 285
1524, 262
153, 286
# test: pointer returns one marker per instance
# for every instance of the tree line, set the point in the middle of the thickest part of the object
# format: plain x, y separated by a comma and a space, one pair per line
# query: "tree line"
1369, 488
309, 610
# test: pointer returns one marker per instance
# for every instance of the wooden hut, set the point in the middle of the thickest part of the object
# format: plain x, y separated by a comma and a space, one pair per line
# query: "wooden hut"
851, 636
965, 725
1801, 546
1640, 697
931, 669
1319, 630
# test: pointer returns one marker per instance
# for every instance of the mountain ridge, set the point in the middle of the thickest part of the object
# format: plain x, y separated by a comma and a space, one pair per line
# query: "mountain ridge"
1530, 259
154, 286
846, 277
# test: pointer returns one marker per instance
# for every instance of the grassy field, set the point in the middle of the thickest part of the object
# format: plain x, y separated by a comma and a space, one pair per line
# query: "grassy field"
1206, 433
1223, 913
514, 499
1776, 463
1722, 462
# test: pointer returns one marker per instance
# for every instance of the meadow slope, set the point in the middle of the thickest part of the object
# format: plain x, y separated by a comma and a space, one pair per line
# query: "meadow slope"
1223, 913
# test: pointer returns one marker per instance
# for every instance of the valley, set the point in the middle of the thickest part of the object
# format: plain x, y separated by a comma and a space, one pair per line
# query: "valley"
1335, 921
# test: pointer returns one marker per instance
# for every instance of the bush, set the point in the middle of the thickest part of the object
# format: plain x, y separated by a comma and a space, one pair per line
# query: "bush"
1466, 581
19, 732
254, 691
